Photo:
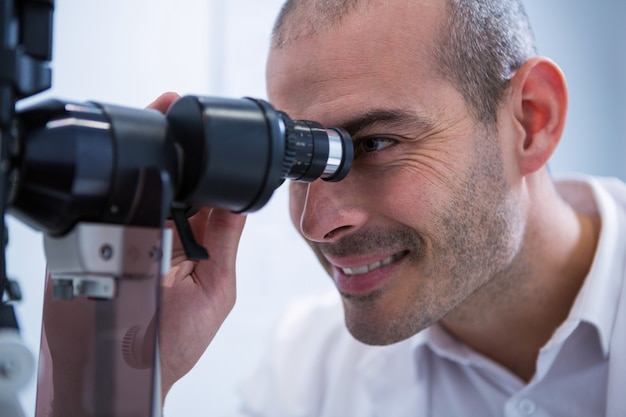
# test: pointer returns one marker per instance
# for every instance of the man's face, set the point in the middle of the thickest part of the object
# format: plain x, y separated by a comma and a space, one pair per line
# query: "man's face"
425, 217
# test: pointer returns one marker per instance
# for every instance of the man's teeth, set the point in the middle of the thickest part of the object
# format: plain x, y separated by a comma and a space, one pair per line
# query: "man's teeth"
367, 268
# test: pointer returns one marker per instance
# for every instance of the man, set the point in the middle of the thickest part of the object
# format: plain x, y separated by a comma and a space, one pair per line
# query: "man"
470, 283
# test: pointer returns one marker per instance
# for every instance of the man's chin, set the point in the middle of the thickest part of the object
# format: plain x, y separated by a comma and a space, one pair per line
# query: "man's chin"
372, 328
374, 337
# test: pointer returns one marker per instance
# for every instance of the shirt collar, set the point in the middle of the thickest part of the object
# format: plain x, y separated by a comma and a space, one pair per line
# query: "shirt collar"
598, 298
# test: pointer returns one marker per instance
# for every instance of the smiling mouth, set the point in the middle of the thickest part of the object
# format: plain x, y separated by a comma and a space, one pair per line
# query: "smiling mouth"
368, 268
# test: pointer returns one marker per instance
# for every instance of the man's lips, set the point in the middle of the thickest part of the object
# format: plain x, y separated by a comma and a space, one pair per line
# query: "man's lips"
365, 274
359, 270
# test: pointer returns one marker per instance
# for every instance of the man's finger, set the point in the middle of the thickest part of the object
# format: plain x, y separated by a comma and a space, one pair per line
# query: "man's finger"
164, 101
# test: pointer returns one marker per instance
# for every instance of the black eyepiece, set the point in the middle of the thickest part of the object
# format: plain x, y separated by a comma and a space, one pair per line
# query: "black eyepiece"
236, 152
316, 152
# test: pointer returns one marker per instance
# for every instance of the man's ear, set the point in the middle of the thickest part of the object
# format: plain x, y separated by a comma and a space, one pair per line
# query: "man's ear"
539, 95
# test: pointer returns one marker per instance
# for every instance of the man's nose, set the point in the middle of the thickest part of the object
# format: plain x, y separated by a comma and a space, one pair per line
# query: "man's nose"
331, 211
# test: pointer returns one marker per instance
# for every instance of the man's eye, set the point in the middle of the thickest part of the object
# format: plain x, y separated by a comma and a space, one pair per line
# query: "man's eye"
372, 144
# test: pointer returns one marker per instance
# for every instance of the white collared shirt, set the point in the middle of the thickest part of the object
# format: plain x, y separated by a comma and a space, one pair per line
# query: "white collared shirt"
314, 368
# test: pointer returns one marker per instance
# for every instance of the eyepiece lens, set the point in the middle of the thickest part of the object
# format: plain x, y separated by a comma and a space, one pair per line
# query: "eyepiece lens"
313, 151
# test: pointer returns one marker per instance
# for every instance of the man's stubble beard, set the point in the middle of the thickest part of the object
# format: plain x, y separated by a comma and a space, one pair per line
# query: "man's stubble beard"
471, 242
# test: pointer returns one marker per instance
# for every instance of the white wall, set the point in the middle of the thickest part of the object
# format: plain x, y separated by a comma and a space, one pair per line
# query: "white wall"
586, 38
128, 52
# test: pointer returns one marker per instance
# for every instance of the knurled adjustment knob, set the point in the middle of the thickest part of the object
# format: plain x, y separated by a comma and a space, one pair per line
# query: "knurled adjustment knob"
129, 348
290, 153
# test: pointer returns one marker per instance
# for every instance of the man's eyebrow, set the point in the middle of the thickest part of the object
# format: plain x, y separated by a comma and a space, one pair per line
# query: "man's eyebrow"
390, 118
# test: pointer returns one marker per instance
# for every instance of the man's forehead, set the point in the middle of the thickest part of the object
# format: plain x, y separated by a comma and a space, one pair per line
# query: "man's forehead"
382, 34
375, 45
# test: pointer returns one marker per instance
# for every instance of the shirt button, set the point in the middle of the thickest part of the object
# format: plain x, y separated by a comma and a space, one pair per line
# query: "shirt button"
527, 406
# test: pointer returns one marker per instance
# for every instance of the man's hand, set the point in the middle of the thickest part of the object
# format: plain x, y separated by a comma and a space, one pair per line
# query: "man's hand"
197, 295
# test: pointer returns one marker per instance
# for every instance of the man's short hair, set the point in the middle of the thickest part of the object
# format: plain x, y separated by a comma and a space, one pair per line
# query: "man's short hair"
480, 43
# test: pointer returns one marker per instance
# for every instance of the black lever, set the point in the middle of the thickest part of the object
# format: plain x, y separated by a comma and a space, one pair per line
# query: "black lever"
192, 249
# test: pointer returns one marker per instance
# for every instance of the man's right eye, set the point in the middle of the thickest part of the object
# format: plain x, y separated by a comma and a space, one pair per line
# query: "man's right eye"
371, 145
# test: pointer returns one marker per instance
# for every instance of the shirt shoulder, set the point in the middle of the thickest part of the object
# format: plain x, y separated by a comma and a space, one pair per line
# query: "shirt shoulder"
314, 367
299, 366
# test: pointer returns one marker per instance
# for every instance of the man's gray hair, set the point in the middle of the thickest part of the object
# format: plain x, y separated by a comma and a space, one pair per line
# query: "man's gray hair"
306, 18
480, 43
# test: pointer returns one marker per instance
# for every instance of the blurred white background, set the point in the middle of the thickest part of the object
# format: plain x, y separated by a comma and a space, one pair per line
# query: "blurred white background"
129, 52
